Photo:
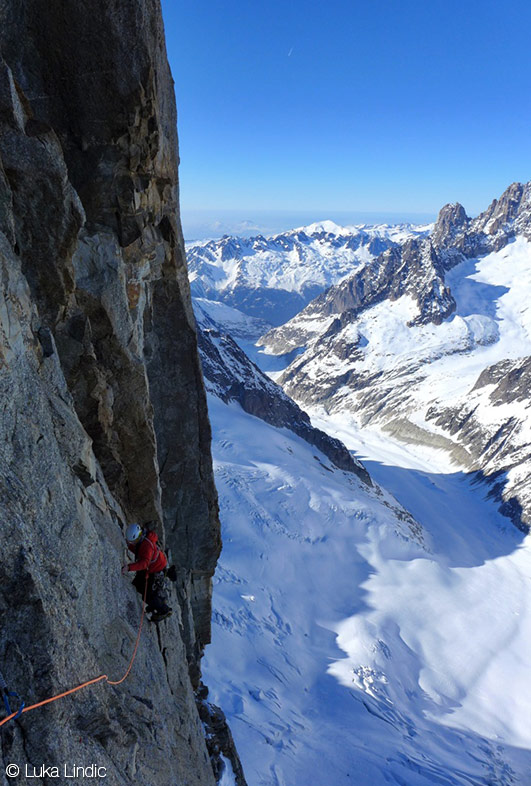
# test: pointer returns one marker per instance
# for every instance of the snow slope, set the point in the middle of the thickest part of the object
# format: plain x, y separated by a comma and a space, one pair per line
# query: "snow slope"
240, 326
467, 611
350, 646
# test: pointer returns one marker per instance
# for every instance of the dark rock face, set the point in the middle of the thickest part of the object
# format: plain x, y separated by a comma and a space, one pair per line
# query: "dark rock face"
219, 739
450, 228
105, 419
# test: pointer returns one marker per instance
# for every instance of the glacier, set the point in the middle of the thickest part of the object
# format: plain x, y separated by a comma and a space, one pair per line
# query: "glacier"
353, 643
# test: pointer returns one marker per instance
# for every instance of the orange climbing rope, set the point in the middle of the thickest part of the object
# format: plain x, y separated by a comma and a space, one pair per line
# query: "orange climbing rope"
96, 679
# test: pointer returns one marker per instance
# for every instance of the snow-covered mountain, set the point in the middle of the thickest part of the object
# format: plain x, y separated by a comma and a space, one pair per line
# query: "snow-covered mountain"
432, 342
274, 278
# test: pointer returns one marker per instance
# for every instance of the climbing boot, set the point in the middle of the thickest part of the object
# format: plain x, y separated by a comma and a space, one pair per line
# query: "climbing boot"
157, 616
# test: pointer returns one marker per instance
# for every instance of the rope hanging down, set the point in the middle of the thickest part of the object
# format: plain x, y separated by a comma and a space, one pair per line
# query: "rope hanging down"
102, 677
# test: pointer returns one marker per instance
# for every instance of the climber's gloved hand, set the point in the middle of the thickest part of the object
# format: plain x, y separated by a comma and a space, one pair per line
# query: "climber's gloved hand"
125, 570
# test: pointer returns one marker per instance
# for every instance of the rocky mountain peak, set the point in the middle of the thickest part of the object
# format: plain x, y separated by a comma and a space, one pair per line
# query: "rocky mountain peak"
451, 222
508, 215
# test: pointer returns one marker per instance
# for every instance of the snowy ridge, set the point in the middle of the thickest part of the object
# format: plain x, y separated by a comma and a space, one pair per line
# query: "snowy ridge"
274, 278
397, 233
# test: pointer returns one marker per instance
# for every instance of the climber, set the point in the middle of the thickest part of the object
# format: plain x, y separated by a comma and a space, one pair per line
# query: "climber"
150, 561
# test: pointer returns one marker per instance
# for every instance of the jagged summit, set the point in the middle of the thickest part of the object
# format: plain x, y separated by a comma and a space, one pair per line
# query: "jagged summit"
508, 216
451, 221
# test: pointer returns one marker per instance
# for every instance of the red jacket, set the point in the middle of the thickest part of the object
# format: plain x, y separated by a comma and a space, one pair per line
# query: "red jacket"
148, 555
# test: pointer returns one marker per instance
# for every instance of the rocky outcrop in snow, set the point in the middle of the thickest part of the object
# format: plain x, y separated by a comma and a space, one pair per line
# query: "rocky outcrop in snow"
505, 218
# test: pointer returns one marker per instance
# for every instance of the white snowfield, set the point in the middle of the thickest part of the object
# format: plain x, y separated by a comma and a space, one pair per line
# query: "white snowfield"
350, 646
465, 612
228, 778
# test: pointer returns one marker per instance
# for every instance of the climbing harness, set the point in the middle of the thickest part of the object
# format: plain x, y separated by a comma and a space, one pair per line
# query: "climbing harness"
23, 708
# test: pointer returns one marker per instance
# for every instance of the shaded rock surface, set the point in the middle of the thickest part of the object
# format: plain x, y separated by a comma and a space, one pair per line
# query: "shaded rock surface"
104, 417
219, 739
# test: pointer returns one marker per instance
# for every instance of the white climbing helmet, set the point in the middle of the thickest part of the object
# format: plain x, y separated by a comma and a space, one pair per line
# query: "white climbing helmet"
133, 533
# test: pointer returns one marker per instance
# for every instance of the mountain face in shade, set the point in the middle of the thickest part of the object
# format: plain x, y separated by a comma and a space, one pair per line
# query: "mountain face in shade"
232, 376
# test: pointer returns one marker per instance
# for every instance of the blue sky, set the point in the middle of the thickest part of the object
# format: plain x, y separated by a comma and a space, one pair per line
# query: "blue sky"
377, 108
